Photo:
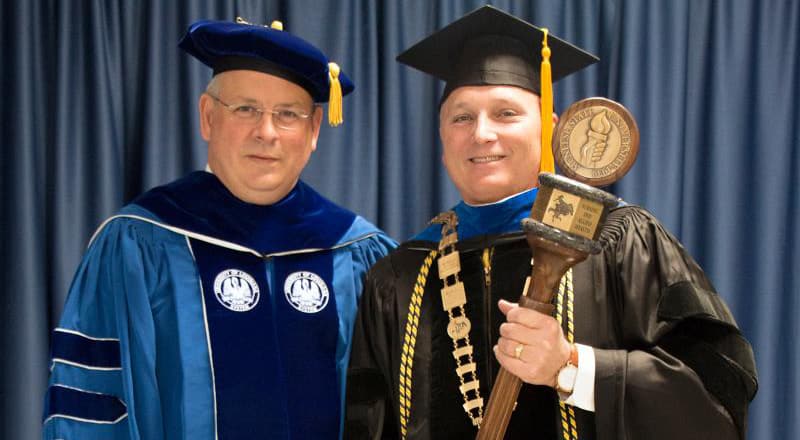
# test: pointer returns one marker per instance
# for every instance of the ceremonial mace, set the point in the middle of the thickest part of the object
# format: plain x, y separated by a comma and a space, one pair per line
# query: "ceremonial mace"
596, 142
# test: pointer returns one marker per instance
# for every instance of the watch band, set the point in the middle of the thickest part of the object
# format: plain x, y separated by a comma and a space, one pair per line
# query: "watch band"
573, 355
572, 364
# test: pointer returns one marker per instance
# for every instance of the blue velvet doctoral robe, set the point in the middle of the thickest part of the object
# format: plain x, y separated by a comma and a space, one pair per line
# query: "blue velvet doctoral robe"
194, 315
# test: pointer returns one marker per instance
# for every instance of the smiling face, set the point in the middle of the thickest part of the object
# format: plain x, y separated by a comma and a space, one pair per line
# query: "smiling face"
491, 138
257, 161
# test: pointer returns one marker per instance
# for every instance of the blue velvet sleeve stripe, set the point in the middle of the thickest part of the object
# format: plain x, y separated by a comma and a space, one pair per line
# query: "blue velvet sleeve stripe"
77, 349
84, 406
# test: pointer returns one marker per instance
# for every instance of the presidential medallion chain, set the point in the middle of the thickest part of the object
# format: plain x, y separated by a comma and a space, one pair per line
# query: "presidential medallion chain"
453, 301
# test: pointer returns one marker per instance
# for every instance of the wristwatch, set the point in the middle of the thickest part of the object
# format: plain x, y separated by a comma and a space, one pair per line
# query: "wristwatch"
565, 379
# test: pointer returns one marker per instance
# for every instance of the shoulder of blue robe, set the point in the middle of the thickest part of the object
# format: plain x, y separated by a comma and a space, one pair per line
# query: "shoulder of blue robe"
358, 250
200, 203
103, 351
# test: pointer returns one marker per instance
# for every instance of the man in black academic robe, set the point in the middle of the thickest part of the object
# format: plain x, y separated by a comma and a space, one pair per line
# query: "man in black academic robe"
653, 350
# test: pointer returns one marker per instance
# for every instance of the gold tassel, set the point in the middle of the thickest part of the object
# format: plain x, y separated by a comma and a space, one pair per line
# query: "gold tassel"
546, 162
277, 25
335, 101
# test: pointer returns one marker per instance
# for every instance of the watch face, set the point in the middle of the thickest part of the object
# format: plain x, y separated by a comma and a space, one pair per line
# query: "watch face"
566, 378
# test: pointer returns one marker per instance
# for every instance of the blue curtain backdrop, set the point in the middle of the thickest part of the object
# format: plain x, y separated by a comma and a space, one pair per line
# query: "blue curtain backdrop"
98, 105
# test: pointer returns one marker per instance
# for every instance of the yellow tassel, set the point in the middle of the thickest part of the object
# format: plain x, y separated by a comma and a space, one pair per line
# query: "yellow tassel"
335, 100
546, 163
277, 25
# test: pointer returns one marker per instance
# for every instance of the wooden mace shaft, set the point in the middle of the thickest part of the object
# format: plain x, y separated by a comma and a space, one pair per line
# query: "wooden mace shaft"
551, 261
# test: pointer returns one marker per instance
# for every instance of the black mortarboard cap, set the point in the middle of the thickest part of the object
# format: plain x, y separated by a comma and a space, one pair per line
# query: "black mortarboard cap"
490, 47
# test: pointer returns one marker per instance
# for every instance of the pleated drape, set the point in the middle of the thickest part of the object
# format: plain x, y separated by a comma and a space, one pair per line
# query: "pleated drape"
99, 105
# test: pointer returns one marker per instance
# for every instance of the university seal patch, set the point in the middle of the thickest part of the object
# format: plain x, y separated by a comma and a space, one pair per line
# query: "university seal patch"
306, 291
236, 290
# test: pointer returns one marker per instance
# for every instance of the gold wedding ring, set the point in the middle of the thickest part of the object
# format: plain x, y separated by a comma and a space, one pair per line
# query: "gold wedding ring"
518, 351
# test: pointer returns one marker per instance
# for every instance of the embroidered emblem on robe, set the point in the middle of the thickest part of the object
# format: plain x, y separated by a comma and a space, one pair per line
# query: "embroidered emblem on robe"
236, 290
306, 291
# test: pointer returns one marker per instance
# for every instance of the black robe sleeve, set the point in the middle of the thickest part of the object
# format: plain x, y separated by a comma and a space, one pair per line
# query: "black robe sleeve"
680, 368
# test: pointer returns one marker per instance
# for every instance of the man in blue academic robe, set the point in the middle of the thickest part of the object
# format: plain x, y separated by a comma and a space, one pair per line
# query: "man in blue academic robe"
221, 305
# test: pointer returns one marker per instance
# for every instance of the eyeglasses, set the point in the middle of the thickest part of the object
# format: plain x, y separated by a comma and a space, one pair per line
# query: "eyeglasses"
284, 118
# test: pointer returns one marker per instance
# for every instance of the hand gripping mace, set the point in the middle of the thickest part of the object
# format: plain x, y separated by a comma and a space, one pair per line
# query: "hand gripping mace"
562, 231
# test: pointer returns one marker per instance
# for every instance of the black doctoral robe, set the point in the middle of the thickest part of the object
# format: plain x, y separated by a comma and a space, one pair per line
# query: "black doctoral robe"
670, 360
